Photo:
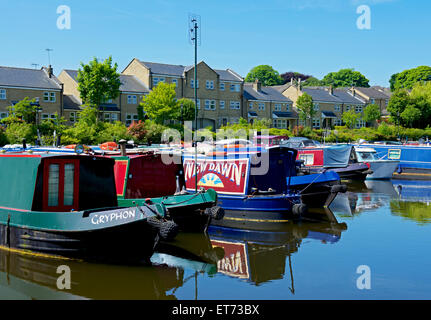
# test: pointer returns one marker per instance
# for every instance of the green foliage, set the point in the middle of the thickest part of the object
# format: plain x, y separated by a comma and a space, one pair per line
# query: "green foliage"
141, 113
371, 113
86, 128
3, 138
305, 107
161, 103
312, 82
98, 81
15, 132
114, 131
408, 78
345, 78
266, 75
23, 111
410, 115
350, 118
188, 109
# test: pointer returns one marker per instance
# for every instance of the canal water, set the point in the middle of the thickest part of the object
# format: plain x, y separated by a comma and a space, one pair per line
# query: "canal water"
379, 249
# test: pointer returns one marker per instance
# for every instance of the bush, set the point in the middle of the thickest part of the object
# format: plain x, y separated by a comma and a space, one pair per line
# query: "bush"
18, 131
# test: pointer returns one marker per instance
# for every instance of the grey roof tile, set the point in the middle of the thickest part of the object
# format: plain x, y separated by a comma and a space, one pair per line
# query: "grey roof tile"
373, 93
71, 102
266, 94
32, 78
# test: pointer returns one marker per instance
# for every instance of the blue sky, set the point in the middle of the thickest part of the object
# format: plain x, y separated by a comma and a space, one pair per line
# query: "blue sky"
309, 36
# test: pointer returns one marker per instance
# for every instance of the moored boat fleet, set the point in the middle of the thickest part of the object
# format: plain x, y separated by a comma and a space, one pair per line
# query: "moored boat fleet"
120, 201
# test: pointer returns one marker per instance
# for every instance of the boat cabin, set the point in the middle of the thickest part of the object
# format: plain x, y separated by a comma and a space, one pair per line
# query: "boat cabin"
269, 140
57, 183
336, 156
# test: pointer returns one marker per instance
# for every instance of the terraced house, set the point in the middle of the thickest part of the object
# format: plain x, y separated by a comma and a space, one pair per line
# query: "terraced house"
39, 84
267, 103
123, 108
219, 92
329, 103
373, 95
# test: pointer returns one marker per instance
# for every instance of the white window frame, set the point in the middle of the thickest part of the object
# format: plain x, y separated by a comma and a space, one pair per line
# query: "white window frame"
4, 114
250, 106
132, 99
222, 86
2, 94
156, 80
199, 103
338, 122
288, 107
277, 107
209, 85
192, 83
235, 105
72, 117
337, 107
222, 104
358, 109
114, 116
316, 123
44, 116
210, 104
261, 106
49, 96
316, 106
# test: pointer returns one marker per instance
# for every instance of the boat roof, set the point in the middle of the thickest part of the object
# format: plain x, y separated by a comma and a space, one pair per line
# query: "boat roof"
269, 137
365, 149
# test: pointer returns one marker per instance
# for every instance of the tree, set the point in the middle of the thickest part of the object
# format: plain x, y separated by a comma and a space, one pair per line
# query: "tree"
371, 113
23, 111
312, 82
288, 76
98, 82
392, 81
265, 74
350, 118
86, 128
188, 109
345, 78
408, 78
410, 115
15, 132
161, 103
397, 104
305, 106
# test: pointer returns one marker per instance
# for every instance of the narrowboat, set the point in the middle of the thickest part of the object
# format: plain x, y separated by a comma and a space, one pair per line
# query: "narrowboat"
139, 177
316, 189
66, 206
382, 169
251, 186
414, 160
339, 158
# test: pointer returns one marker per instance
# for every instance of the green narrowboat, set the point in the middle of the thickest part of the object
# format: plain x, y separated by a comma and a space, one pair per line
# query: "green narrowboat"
139, 177
66, 206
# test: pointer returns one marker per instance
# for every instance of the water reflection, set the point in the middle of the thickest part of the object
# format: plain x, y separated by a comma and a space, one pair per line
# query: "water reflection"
261, 256
407, 198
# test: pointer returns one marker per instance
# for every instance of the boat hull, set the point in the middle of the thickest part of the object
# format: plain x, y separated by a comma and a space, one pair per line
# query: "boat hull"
382, 169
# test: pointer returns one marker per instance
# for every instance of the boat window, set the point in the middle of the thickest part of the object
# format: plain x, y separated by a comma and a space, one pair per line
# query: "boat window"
366, 155
69, 173
307, 158
53, 183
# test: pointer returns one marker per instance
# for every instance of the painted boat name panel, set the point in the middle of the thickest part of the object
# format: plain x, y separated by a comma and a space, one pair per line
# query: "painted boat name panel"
226, 176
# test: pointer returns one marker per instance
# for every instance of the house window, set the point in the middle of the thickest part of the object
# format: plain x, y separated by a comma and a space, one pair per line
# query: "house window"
210, 84
373, 101
337, 107
175, 81
280, 123
3, 115
386, 102
338, 122
210, 105
347, 108
234, 87
235, 105
199, 104
157, 80
358, 108
192, 83
316, 107
2, 94
222, 86
49, 96
316, 123
72, 117
261, 106
114, 116
131, 99
221, 104
301, 122
107, 116
360, 124
128, 119
287, 107
45, 116
223, 121
250, 105
277, 107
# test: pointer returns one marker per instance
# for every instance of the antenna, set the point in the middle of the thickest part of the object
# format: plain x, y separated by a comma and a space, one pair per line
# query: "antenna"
35, 65
49, 57
195, 38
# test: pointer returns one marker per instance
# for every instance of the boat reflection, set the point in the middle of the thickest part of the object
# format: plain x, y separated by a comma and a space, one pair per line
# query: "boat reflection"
32, 277
260, 256
407, 198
